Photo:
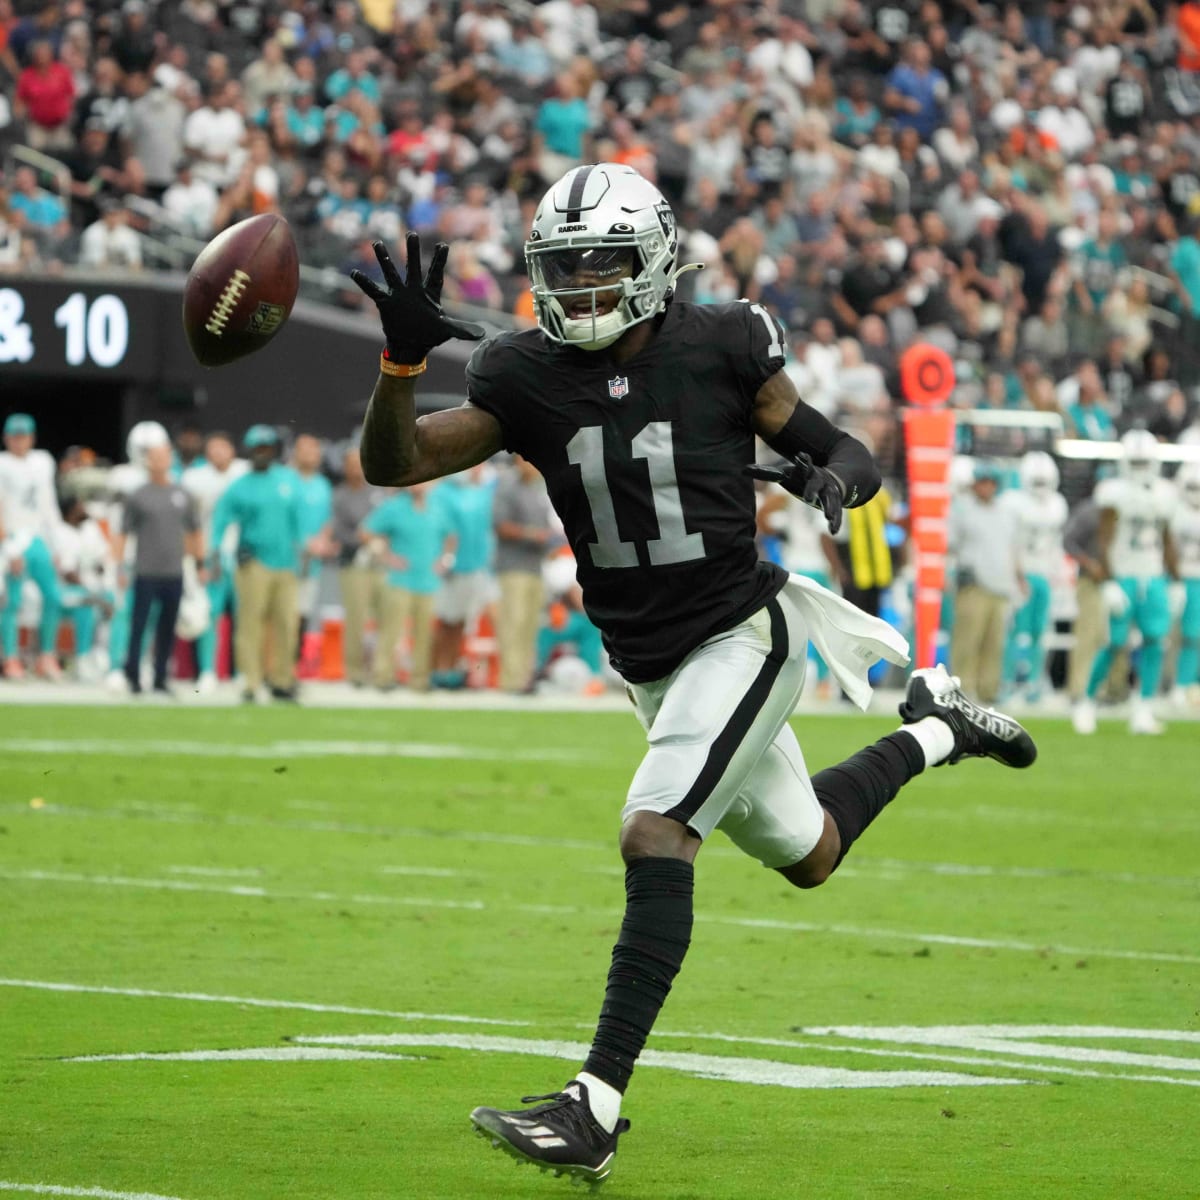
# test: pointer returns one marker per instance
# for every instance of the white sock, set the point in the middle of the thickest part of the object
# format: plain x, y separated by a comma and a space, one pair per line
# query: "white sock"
935, 738
604, 1100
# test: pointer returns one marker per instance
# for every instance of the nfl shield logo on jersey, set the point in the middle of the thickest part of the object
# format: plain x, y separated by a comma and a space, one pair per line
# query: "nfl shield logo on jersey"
618, 387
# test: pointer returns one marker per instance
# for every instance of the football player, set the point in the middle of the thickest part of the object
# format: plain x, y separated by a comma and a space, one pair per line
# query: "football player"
1185, 532
1041, 516
30, 517
1137, 555
641, 413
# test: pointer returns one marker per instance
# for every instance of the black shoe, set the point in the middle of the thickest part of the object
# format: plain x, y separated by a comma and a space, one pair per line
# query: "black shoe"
163, 692
290, 695
561, 1136
978, 732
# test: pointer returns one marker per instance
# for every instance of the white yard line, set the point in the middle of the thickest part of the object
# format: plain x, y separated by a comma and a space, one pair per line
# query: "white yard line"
428, 872
709, 1066
766, 923
98, 1193
46, 985
282, 750
969, 1060
216, 872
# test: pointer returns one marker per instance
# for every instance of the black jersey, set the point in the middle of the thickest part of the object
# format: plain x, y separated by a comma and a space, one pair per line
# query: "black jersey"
643, 463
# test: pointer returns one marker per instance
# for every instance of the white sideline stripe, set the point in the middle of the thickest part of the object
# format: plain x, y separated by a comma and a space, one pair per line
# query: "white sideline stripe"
707, 1066
46, 985
251, 1054
237, 889
936, 939
216, 872
282, 749
866, 868
431, 872
1005, 1041
179, 815
52, 1189
969, 1060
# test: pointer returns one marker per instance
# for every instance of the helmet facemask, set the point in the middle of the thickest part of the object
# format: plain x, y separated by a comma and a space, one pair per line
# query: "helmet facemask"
593, 316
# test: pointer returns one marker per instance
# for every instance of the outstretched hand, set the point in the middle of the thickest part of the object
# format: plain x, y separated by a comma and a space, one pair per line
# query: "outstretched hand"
816, 486
410, 309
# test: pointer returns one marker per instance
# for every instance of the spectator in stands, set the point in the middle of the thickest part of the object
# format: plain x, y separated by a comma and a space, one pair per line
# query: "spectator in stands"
269, 75
45, 97
212, 134
162, 517
38, 213
563, 126
110, 243
264, 504
412, 534
190, 202
524, 531
916, 91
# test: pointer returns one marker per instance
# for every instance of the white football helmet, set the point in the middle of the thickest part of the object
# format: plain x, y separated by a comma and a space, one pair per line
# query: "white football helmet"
1139, 457
1039, 473
606, 224
141, 437
1188, 482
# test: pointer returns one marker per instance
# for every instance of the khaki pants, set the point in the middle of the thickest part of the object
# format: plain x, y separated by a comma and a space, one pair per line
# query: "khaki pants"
1091, 636
977, 644
1091, 632
267, 604
416, 609
363, 590
522, 595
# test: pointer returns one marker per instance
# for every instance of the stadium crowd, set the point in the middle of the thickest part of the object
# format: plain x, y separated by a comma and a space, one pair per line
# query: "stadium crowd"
1017, 183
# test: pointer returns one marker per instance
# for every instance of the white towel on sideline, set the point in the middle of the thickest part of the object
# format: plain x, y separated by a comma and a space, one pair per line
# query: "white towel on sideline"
847, 638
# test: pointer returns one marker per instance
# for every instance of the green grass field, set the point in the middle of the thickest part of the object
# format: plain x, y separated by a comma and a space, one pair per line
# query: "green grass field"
357, 925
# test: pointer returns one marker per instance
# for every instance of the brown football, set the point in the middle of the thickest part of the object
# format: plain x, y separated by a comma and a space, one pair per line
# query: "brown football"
241, 289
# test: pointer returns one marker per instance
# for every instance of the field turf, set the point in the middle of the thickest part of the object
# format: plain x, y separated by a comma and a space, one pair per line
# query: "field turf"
357, 925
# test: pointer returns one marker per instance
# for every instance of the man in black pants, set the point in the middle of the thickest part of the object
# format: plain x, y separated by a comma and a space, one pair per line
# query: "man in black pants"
640, 411
162, 517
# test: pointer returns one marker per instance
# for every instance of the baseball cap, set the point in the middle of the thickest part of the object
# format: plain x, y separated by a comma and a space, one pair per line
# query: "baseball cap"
18, 423
260, 435
988, 470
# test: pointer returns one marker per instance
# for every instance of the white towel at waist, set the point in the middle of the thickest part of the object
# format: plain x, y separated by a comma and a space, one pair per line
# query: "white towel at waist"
847, 638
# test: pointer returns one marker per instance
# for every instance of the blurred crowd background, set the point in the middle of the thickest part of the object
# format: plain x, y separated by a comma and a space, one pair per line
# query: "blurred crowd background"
1018, 184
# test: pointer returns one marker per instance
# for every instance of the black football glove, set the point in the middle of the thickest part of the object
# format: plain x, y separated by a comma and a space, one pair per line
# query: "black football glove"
410, 310
815, 485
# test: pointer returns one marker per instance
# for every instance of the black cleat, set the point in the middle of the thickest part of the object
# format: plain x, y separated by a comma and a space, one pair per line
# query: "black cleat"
978, 732
560, 1136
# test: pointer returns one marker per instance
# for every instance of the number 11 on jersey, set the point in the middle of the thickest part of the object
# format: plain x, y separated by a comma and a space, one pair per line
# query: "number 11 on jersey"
656, 445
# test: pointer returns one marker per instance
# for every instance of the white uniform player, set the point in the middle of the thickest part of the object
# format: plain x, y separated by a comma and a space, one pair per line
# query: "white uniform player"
29, 511
206, 483
1135, 511
1185, 533
1040, 512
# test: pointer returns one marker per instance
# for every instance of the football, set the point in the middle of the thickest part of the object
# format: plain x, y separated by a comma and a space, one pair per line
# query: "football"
241, 289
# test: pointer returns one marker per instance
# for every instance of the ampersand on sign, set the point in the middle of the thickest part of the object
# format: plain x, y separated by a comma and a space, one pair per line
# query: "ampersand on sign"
16, 338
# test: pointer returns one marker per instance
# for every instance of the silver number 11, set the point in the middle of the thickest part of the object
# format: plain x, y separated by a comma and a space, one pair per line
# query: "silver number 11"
655, 444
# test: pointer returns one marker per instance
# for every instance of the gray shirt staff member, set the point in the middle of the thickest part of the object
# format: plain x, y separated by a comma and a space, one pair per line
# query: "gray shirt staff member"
163, 518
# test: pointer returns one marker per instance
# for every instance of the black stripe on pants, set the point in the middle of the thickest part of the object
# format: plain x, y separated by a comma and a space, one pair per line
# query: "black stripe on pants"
725, 745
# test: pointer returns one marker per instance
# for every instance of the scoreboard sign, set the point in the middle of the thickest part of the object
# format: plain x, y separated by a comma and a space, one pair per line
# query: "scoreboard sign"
69, 327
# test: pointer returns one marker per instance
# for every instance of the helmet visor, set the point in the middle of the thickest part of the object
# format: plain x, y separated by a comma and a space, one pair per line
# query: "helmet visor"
597, 265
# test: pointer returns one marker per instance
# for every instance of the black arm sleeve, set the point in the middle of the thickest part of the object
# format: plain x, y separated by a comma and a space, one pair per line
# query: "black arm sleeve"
807, 432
